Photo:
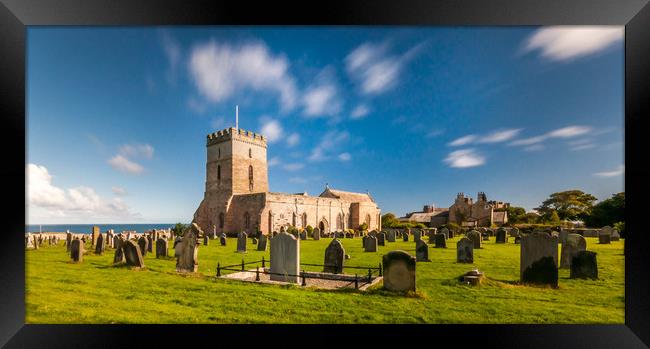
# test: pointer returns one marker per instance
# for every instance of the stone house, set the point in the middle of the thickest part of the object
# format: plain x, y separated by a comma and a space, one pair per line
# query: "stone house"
430, 216
237, 196
482, 213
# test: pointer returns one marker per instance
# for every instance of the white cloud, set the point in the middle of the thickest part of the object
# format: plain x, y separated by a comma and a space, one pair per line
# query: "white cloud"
374, 68
274, 161
297, 180
464, 158
293, 139
47, 201
618, 172
583, 146
137, 150
173, 52
345, 156
271, 129
125, 165
463, 140
293, 166
500, 136
220, 70
118, 191
435, 133
322, 98
565, 132
329, 143
534, 147
563, 43
360, 111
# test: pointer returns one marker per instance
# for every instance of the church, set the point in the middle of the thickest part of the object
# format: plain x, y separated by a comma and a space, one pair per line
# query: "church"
237, 196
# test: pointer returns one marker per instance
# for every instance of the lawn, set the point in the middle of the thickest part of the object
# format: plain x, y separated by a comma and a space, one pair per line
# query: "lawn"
59, 291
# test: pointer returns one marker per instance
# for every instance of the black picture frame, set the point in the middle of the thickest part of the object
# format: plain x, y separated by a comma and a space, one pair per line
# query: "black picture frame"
15, 15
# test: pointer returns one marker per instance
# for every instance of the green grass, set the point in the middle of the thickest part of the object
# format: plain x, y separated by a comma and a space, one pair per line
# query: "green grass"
59, 291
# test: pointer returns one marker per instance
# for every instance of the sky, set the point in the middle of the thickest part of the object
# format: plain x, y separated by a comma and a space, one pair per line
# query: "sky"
117, 117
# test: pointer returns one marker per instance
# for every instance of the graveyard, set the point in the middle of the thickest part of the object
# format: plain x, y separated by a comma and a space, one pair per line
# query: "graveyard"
59, 291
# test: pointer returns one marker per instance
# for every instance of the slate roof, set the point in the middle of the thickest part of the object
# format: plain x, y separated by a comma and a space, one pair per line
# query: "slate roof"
346, 195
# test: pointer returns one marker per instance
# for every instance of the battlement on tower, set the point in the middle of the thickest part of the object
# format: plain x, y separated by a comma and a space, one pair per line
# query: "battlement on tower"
232, 133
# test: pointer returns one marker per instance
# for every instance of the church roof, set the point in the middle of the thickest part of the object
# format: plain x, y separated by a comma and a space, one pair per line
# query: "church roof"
346, 195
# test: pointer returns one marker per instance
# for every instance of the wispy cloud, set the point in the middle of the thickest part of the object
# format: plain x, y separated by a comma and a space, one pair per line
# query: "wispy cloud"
563, 43
565, 132
359, 112
293, 166
464, 158
274, 161
345, 157
463, 140
271, 129
123, 160
125, 165
137, 150
293, 139
496, 136
196, 105
220, 70
173, 53
321, 98
218, 123
435, 133
375, 68
119, 191
617, 172
328, 144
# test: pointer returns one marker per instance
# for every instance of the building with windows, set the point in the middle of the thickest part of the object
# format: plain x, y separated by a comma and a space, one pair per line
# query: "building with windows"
237, 196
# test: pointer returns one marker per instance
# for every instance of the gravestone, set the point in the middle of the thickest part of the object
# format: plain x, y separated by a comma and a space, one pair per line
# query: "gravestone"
398, 271
77, 251
315, 234
285, 258
95, 234
222, 239
563, 236
450, 234
381, 239
206, 240
161, 247
334, 255
417, 235
132, 254
465, 251
514, 231
501, 236
35, 242
475, 236
421, 251
405, 236
391, 236
149, 244
604, 238
573, 244
144, 244
373, 233
187, 251
517, 239
118, 257
370, 244
261, 244
177, 241
68, 240
485, 236
99, 248
303, 235
606, 230
440, 240
538, 259
432, 238
241, 242
584, 266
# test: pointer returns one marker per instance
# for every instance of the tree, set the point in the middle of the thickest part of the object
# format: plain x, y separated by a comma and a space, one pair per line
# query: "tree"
607, 212
569, 204
516, 214
179, 229
389, 220
554, 218
309, 229
531, 217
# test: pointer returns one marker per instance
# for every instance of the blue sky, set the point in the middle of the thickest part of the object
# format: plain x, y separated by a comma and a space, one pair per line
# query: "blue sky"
117, 117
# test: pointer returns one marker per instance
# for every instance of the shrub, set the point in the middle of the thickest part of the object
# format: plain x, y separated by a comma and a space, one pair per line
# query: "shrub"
292, 230
309, 229
620, 226
363, 226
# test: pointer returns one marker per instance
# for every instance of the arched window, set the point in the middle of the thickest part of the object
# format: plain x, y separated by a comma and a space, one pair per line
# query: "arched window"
218, 172
339, 222
368, 220
247, 220
221, 220
304, 219
250, 177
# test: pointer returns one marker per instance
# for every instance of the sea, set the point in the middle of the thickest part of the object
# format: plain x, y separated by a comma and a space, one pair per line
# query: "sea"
88, 228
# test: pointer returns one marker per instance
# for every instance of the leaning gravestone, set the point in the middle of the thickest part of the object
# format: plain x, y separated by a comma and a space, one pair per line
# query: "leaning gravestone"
132, 254
538, 259
370, 244
381, 239
399, 271
465, 251
440, 240
261, 244
285, 258
391, 236
334, 256
573, 244
315, 234
421, 251
161, 247
99, 248
144, 244
475, 236
241, 242
584, 266
187, 251
119, 255
222, 239
501, 236
77, 251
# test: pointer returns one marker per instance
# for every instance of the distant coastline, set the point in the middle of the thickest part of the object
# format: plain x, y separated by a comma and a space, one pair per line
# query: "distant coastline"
87, 228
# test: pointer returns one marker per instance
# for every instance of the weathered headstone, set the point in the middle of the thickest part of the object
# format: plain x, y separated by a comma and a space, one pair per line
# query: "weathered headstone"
538, 259
150, 243
476, 238
161, 247
370, 244
417, 235
222, 239
615, 235
399, 271
465, 251
132, 254
144, 244
405, 236
118, 257
421, 251
573, 244
95, 234
584, 266
68, 240
261, 244
604, 237
177, 241
285, 258
315, 234
440, 240
381, 239
99, 245
187, 251
77, 251
334, 255
206, 240
391, 236
241, 242
501, 236
303, 235
446, 232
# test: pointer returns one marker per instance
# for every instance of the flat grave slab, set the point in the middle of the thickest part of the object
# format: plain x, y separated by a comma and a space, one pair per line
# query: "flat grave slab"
338, 281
